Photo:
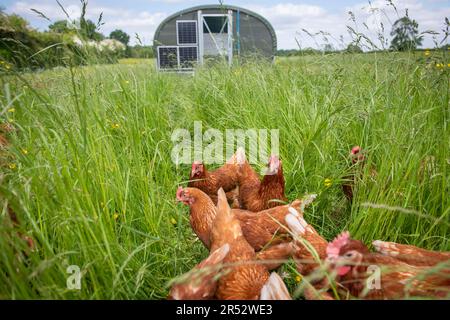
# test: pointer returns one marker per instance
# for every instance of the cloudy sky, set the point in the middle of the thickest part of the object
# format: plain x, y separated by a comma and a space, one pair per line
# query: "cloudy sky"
288, 17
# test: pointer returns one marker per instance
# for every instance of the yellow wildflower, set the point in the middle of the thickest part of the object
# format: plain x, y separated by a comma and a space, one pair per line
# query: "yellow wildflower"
427, 53
298, 278
12, 166
448, 65
328, 182
127, 82
173, 221
115, 126
116, 216
24, 151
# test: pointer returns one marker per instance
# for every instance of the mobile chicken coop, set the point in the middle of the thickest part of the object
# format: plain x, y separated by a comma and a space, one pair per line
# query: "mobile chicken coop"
195, 35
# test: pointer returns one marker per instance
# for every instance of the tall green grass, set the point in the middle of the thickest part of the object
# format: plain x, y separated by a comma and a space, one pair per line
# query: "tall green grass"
93, 182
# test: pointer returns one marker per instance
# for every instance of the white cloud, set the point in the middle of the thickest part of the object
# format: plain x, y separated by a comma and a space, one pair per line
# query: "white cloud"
287, 18
169, 1
52, 11
143, 23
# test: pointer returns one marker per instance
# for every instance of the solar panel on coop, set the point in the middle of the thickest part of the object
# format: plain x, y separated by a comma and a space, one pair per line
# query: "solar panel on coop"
187, 32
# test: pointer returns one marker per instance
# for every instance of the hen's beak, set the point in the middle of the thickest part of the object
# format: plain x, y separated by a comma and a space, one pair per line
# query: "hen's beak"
180, 194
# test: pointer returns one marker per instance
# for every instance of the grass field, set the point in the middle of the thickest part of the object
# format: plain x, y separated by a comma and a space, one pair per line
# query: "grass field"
92, 179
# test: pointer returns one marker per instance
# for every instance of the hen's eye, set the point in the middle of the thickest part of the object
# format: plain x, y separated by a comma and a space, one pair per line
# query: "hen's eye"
349, 255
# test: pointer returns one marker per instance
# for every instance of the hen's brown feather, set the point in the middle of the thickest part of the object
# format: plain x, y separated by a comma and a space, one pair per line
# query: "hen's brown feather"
397, 278
256, 195
259, 228
244, 278
201, 282
202, 214
225, 177
310, 246
267, 226
274, 256
411, 254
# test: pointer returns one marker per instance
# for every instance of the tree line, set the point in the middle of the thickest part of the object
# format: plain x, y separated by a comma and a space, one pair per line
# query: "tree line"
80, 42
64, 43
405, 37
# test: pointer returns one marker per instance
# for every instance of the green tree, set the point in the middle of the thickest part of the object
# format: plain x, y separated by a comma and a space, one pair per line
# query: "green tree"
353, 48
13, 21
328, 47
88, 29
120, 35
59, 26
406, 35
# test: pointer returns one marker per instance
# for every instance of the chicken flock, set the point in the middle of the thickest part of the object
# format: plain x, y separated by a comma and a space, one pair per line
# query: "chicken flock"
250, 230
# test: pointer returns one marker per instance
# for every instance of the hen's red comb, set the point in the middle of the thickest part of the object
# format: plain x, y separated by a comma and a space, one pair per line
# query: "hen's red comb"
356, 150
180, 193
335, 246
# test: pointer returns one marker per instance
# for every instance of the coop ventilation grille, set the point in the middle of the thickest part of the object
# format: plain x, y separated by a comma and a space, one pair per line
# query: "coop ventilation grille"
168, 57
188, 57
187, 32
177, 57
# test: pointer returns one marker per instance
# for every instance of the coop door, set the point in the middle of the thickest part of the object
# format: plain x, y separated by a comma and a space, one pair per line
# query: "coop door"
217, 35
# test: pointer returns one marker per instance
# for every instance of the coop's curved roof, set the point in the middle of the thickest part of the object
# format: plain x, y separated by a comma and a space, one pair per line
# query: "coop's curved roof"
224, 7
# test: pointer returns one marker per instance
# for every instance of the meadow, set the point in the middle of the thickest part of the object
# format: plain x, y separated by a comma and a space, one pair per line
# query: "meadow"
90, 176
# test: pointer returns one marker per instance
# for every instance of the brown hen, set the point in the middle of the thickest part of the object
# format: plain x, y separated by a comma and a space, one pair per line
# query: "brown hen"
256, 195
201, 282
309, 253
357, 161
225, 177
261, 229
244, 278
355, 267
202, 212
310, 246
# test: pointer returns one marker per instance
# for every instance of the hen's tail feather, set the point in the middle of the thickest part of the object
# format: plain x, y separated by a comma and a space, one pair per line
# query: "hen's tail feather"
222, 202
216, 257
199, 282
274, 289
410, 254
296, 223
240, 155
